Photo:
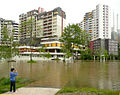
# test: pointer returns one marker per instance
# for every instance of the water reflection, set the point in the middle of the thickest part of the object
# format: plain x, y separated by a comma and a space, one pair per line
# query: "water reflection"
58, 74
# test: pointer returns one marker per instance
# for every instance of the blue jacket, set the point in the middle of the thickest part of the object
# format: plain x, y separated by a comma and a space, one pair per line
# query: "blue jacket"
12, 76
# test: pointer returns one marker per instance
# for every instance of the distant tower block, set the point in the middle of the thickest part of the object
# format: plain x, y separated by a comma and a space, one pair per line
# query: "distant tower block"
113, 22
117, 22
40, 10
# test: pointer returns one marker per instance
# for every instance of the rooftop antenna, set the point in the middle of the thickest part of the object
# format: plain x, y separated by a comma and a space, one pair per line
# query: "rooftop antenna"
118, 27
113, 22
117, 21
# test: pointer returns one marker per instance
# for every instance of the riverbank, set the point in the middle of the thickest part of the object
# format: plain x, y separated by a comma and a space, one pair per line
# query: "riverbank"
64, 91
5, 84
86, 91
35, 91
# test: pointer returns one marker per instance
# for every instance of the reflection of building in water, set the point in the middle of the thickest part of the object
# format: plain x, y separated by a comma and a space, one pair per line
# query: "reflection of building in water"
108, 76
102, 77
113, 72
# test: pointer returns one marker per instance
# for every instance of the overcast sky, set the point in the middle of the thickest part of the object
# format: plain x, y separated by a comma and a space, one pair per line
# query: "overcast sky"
75, 9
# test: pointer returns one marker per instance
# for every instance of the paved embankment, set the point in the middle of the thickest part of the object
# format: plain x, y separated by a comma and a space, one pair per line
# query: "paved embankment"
35, 91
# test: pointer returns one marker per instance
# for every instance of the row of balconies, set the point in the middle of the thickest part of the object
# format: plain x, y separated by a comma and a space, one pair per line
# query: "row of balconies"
50, 18
47, 30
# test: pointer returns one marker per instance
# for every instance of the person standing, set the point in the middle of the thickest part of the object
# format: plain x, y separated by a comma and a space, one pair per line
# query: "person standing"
13, 74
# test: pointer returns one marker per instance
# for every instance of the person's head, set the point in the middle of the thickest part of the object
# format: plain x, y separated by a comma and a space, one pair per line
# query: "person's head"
12, 69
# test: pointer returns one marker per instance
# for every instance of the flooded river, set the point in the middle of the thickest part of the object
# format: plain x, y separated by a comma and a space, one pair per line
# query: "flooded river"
59, 74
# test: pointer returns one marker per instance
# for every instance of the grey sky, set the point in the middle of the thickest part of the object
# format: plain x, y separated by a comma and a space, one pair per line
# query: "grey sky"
75, 9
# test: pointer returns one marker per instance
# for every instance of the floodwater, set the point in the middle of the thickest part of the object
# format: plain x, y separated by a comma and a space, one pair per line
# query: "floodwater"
71, 74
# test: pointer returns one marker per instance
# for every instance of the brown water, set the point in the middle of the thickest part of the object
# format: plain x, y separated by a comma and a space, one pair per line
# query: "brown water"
58, 74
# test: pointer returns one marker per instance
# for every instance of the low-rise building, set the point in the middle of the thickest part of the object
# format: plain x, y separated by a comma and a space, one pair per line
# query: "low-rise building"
100, 45
111, 46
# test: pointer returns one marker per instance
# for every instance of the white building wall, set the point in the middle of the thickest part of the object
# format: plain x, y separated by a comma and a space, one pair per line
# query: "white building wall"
59, 25
0, 31
103, 21
39, 25
109, 23
82, 25
94, 25
64, 25
99, 16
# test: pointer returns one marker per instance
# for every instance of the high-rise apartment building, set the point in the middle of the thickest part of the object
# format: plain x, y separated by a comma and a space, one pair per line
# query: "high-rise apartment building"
97, 23
51, 24
48, 27
89, 24
103, 23
12, 28
26, 19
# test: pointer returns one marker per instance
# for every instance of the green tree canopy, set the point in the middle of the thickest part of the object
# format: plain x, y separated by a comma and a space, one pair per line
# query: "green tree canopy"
73, 37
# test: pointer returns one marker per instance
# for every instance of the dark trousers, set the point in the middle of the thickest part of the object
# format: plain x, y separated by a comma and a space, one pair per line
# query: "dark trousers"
12, 85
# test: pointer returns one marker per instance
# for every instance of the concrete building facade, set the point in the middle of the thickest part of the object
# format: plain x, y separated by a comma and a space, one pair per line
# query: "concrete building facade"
27, 21
48, 27
12, 28
97, 22
99, 45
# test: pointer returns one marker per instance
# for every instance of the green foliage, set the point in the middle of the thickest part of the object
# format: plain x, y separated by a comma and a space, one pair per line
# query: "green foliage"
48, 55
31, 61
91, 91
87, 54
5, 52
42, 49
106, 54
73, 36
31, 33
5, 83
102, 52
8, 47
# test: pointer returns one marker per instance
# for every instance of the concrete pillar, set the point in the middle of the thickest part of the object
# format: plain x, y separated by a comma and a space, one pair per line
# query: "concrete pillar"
55, 52
104, 59
100, 58
113, 57
94, 57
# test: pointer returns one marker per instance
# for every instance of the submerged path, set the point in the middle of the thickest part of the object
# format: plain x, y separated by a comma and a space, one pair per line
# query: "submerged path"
34, 91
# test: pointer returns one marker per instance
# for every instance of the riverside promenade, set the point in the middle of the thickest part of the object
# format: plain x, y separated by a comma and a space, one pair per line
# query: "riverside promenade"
34, 91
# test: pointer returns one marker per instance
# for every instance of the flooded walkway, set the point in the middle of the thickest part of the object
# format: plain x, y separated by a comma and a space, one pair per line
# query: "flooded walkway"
34, 91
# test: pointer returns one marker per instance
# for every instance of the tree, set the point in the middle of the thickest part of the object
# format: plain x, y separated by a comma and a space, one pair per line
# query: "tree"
5, 43
42, 51
8, 47
101, 52
67, 40
48, 55
106, 54
73, 37
13, 45
86, 54
119, 50
30, 32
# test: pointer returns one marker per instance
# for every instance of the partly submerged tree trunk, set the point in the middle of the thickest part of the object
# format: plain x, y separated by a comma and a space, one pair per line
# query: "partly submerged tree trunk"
31, 46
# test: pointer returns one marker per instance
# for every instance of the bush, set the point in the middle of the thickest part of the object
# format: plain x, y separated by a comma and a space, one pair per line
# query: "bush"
32, 61
91, 91
5, 83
